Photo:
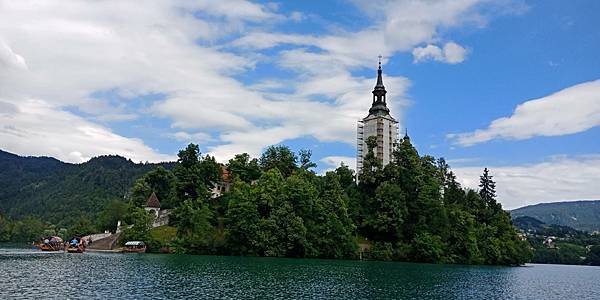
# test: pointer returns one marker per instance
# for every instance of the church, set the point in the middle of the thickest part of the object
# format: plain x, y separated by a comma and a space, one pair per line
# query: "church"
378, 123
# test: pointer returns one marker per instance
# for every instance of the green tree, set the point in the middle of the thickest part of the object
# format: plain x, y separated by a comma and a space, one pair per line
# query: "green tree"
5, 229
242, 166
28, 229
113, 211
242, 221
82, 227
371, 173
279, 157
487, 190
189, 182
305, 162
594, 255
194, 230
141, 225
386, 213
331, 229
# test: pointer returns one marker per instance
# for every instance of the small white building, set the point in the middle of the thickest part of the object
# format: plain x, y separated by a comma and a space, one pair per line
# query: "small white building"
222, 186
378, 123
161, 216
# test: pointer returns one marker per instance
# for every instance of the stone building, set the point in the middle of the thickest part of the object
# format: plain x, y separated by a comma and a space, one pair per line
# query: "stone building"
378, 123
161, 215
222, 186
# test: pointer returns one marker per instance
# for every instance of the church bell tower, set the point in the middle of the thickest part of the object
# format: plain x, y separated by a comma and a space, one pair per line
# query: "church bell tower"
378, 123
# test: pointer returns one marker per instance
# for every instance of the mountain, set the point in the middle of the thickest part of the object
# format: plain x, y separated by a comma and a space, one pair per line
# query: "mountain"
581, 215
49, 188
533, 225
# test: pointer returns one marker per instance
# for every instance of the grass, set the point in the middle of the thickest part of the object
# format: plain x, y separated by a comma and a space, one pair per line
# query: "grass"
163, 234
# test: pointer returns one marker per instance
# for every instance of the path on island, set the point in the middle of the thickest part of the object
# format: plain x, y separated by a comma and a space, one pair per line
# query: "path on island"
107, 243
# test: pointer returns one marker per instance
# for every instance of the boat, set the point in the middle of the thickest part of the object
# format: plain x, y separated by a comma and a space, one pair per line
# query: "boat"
135, 247
51, 243
76, 245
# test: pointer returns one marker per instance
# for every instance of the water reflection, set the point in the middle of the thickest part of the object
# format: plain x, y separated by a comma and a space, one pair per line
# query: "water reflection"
29, 274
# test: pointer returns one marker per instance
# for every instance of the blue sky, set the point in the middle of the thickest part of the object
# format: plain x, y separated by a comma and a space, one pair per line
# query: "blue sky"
509, 85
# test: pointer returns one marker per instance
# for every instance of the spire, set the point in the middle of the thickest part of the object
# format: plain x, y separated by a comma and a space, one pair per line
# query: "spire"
406, 137
379, 105
379, 84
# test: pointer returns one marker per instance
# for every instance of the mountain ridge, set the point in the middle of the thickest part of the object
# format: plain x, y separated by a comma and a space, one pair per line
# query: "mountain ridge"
49, 188
581, 215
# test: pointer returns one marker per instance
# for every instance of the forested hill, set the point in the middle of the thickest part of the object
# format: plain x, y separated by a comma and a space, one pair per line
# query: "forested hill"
62, 192
581, 215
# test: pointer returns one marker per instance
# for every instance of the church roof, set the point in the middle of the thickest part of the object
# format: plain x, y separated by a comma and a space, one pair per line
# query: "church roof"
379, 105
153, 201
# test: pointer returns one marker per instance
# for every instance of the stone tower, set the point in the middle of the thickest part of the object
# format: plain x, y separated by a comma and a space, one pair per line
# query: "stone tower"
378, 123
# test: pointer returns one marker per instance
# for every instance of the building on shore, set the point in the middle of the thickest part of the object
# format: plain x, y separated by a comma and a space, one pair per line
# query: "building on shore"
222, 186
161, 215
378, 123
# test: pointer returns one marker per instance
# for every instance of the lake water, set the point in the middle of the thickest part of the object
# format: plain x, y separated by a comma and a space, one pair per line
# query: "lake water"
31, 274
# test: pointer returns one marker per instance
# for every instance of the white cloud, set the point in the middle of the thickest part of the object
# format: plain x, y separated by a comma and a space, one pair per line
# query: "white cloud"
452, 53
10, 59
556, 179
64, 53
198, 137
572, 110
34, 127
332, 162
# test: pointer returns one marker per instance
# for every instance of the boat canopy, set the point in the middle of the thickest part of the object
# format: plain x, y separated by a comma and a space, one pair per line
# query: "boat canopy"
134, 243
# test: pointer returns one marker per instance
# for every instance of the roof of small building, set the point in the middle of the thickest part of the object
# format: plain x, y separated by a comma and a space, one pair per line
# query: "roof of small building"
225, 174
153, 201
134, 243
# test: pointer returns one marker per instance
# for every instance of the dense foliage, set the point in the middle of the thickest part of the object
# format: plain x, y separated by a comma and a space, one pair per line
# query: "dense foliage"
567, 246
411, 210
61, 193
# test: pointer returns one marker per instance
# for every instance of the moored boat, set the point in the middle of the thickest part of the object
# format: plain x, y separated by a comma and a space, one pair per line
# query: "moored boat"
135, 247
50, 243
76, 245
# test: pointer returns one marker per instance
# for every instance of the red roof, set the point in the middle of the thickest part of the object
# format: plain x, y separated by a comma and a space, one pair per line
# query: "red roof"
225, 174
153, 201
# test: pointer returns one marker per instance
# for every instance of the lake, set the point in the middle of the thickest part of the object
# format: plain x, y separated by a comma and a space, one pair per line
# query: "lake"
32, 274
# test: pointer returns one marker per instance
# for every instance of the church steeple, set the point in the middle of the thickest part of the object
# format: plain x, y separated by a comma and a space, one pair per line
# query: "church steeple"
378, 124
379, 84
379, 104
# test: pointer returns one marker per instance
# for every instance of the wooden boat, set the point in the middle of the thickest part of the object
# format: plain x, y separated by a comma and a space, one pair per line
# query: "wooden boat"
135, 247
76, 245
49, 243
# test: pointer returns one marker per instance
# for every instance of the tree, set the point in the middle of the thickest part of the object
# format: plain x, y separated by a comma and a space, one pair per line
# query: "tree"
305, 162
189, 182
387, 211
331, 229
594, 255
242, 221
5, 229
371, 173
279, 157
194, 230
162, 182
82, 227
242, 166
113, 212
141, 221
210, 171
487, 190
28, 229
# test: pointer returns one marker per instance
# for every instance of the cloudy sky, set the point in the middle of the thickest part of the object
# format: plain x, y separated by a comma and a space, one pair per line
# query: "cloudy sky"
509, 85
